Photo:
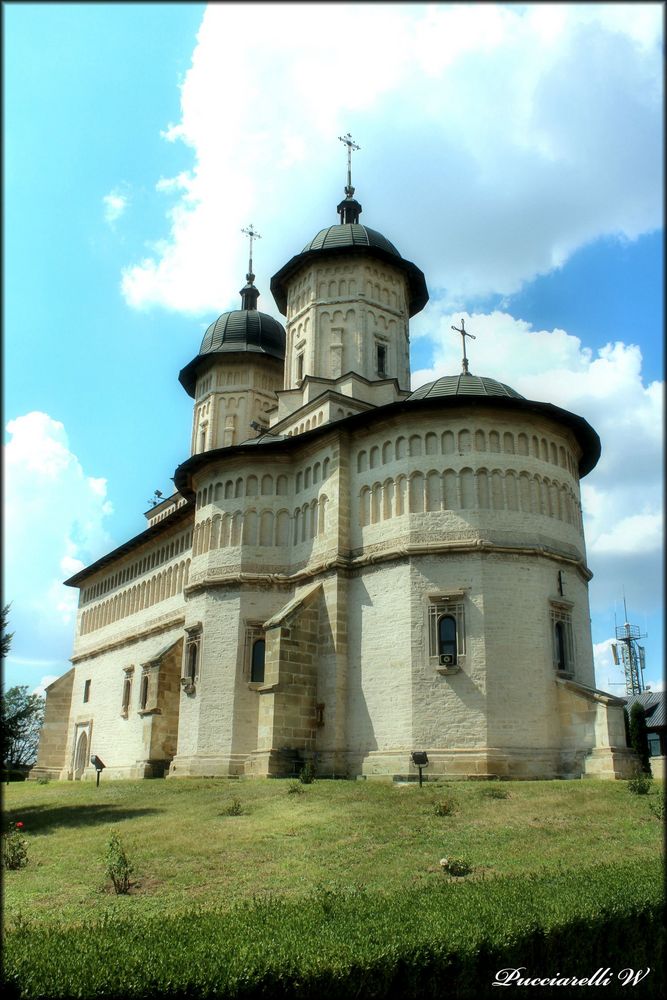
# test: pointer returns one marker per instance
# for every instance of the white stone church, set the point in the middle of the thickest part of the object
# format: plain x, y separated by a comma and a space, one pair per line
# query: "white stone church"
349, 571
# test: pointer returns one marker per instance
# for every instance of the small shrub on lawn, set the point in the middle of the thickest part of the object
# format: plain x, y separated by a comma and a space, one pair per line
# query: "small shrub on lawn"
455, 866
446, 807
657, 806
43, 781
640, 784
14, 847
496, 793
117, 865
234, 808
294, 788
307, 776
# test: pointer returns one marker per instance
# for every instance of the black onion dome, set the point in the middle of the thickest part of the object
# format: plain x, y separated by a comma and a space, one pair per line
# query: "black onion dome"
349, 235
352, 238
464, 385
239, 331
245, 330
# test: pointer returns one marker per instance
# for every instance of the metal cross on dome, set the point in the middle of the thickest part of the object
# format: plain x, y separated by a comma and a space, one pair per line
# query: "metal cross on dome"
252, 235
464, 333
351, 144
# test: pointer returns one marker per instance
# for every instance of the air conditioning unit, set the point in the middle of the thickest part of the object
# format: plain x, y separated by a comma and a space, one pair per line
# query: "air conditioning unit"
446, 659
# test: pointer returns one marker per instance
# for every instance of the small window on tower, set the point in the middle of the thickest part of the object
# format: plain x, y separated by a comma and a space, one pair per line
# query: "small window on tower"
299, 367
381, 360
86, 691
143, 696
255, 652
127, 694
191, 658
257, 662
446, 630
447, 640
563, 640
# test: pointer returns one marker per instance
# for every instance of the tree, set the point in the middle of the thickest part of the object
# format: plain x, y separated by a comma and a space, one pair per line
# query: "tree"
22, 718
638, 737
5, 637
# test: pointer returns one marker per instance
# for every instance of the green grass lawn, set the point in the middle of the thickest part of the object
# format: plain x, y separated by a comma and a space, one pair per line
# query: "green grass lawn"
187, 850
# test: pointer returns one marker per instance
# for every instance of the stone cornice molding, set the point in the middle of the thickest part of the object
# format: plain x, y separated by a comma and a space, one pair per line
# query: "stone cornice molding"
130, 638
373, 558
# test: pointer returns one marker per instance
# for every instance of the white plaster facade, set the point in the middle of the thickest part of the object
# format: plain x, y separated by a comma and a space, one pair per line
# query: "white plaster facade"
341, 539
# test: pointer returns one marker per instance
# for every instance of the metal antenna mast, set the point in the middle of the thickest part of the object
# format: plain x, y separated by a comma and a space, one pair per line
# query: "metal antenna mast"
464, 333
632, 655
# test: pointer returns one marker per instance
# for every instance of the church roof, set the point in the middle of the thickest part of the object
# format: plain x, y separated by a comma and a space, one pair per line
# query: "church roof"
241, 330
511, 401
352, 239
349, 235
245, 330
464, 385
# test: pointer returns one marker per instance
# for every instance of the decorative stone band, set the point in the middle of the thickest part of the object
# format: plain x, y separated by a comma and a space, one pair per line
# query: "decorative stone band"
225, 578
130, 638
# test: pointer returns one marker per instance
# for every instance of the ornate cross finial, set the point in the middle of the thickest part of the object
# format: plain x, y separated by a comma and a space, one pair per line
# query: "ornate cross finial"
464, 333
252, 235
351, 144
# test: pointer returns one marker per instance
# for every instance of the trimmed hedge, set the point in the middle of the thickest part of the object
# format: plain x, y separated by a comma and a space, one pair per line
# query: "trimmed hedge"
446, 939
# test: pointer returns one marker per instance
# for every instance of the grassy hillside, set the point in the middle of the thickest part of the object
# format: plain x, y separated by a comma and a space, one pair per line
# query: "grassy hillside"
332, 835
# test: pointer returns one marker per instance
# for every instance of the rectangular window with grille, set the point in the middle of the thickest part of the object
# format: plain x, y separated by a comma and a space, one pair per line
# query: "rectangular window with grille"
446, 631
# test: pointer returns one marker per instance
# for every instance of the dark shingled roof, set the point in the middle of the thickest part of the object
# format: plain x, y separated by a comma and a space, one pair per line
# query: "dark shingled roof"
241, 330
351, 234
654, 706
352, 238
464, 385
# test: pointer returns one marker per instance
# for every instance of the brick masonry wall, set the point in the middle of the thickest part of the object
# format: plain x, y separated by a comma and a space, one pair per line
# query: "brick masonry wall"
53, 737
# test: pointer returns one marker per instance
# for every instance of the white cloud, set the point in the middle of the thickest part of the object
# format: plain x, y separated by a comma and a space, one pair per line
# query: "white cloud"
608, 676
44, 683
622, 497
115, 204
496, 139
637, 534
54, 516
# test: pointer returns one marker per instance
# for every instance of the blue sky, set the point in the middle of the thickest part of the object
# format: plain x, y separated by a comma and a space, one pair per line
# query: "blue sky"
513, 152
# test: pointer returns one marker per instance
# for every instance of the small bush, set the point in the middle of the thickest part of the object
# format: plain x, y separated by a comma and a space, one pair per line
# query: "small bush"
455, 866
294, 788
307, 776
14, 848
638, 737
446, 807
657, 806
496, 793
640, 784
117, 865
43, 781
234, 808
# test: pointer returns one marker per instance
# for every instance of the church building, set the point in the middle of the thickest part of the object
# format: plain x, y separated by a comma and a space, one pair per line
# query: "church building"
349, 570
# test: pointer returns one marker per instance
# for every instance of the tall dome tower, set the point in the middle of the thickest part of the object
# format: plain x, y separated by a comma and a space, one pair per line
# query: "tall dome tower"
234, 377
348, 297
